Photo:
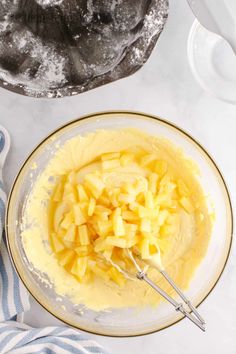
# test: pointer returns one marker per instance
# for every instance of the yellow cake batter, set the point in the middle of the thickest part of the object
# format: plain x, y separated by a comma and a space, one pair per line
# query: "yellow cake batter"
82, 205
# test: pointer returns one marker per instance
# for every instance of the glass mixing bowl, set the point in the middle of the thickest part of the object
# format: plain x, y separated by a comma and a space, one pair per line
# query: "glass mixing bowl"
126, 321
212, 62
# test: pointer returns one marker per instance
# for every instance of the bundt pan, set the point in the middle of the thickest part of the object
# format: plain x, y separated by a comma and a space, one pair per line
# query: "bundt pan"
57, 48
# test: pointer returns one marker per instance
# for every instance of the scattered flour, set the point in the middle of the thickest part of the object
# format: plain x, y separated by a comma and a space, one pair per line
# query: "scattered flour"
45, 68
46, 3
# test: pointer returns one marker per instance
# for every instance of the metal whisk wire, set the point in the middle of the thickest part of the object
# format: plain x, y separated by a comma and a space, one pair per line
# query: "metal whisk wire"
192, 314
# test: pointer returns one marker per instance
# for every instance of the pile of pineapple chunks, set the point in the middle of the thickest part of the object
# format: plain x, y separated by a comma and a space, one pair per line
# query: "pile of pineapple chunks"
93, 222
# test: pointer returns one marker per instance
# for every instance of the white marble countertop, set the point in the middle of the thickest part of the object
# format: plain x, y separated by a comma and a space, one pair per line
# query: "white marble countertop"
164, 87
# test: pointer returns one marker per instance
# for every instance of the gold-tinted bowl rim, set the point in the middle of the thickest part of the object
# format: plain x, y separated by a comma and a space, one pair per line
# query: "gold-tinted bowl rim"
143, 116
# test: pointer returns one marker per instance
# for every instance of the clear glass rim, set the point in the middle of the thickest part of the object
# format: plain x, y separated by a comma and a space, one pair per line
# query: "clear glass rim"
94, 116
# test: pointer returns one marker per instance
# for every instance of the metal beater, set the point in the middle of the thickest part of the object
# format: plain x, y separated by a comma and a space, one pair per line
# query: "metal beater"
192, 314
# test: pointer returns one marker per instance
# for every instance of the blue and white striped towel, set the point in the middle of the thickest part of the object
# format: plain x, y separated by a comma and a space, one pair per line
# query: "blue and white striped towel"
18, 338
13, 296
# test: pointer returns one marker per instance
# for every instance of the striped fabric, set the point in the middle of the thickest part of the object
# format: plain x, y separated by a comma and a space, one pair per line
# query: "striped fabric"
13, 296
18, 338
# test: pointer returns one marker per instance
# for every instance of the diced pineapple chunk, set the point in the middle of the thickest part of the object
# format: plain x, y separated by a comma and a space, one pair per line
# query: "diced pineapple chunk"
92, 230
152, 249
141, 185
84, 208
155, 228
162, 216
100, 217
107, 253
116, 241
94, 184
87, 278
113, 196
91, 206
100, 245
166, 180
59, 213
83, 196
145, 225
149, 200
104, 200
110, 156
130, 216
170, 188
68, 188
58, 193
144, 248
147, 160
79, 215
105, 227
72, 178
164, 197
57, 245
118, 258
84, 250
130, 230
67, 221
79, 266
132, 241
60, 233
118, 226
153, 240
70, 235
83, 235
116, 212
98, 271
200, 216
126, 159
187, 205
66, 257
128, 188
116, 276
182, 188
126, 198
143, 212
167, 230
71, 198
110, 164
153, 213
152, 182
161, 167
102, 211
70, 194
